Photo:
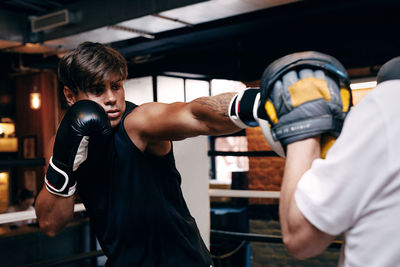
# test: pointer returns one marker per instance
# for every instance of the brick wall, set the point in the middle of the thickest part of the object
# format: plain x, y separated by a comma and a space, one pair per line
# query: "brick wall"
265, 173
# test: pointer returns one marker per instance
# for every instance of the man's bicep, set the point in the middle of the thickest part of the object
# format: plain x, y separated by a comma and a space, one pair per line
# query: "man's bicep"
160, 121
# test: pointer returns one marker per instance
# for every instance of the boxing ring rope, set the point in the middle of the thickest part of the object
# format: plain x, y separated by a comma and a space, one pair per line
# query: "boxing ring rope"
243, 193
251, 237
66, 260
244, 237
28, 215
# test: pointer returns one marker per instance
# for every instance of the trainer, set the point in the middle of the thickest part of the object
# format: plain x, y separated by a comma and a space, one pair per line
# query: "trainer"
355, 190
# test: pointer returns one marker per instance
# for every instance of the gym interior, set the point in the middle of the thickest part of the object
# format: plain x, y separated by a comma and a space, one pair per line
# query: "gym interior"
176, 51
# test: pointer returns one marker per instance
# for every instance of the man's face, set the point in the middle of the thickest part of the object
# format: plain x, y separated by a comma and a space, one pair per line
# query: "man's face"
111, 96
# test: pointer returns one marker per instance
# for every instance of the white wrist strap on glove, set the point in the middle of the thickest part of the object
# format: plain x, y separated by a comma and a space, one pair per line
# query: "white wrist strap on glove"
58, 180
243, 107
58, 175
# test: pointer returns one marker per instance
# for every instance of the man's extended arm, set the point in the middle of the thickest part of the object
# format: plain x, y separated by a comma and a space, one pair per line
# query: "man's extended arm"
300, 237
176, 121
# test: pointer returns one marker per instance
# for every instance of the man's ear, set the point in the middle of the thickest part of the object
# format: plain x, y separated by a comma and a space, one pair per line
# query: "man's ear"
69, 96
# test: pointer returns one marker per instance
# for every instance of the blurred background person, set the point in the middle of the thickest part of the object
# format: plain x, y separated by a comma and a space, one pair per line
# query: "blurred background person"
25, 202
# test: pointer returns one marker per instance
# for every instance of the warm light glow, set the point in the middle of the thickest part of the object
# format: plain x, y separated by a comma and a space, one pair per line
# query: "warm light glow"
4, 191
31, 44
7, 128
35, 100
9, 144
8, 141
363, 85
3, 178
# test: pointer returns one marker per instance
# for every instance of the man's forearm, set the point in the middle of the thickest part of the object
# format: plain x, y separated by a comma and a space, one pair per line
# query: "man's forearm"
53, 212
296, 230
213, 111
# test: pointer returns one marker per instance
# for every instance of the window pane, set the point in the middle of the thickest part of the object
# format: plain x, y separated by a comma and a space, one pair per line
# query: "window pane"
196, 89
139, 90
223, 86
225, 165
170, 89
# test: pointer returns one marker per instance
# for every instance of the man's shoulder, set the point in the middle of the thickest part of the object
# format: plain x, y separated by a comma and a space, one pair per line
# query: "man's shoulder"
387, 89
139, 112
132, 124
129, 107
386, 97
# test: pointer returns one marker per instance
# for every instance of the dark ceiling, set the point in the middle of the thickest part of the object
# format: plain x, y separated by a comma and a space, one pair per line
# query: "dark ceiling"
34, 7
361, 34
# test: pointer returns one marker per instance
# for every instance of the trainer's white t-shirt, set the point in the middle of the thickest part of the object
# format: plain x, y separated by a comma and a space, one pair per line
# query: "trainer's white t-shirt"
356, 189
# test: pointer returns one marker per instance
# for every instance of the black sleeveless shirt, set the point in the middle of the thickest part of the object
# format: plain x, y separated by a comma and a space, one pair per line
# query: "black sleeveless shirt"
136, 206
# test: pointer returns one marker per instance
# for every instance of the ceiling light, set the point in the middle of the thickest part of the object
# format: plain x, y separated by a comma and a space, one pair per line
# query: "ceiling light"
35, 99
128, 29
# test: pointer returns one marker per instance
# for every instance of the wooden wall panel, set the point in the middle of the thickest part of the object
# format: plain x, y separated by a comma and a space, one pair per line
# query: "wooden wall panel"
41, 123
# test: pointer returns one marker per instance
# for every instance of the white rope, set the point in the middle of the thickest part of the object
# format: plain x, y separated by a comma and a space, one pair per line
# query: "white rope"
243, 193
28, 215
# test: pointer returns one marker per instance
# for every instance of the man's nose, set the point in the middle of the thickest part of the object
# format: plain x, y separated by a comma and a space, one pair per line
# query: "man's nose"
109, 96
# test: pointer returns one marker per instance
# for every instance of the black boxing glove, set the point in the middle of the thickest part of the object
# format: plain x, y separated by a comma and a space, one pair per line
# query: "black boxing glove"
243, 108
84, 119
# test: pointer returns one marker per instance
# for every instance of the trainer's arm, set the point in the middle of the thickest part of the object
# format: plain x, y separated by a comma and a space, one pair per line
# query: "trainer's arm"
176, 121
300, 237
53, 212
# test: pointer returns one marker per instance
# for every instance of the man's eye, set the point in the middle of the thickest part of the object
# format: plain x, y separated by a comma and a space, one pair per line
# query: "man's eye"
115, 87
96, 90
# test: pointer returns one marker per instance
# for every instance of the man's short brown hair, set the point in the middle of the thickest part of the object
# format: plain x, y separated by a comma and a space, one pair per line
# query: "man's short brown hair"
90, 63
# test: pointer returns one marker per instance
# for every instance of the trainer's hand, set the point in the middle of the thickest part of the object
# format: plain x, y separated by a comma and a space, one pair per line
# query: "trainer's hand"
84, 119
301, 97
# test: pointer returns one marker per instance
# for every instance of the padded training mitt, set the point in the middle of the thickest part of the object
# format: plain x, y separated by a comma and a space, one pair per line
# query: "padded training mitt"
303, 95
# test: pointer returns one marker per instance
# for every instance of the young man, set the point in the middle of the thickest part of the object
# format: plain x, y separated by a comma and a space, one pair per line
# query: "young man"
354, 190
125, 174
